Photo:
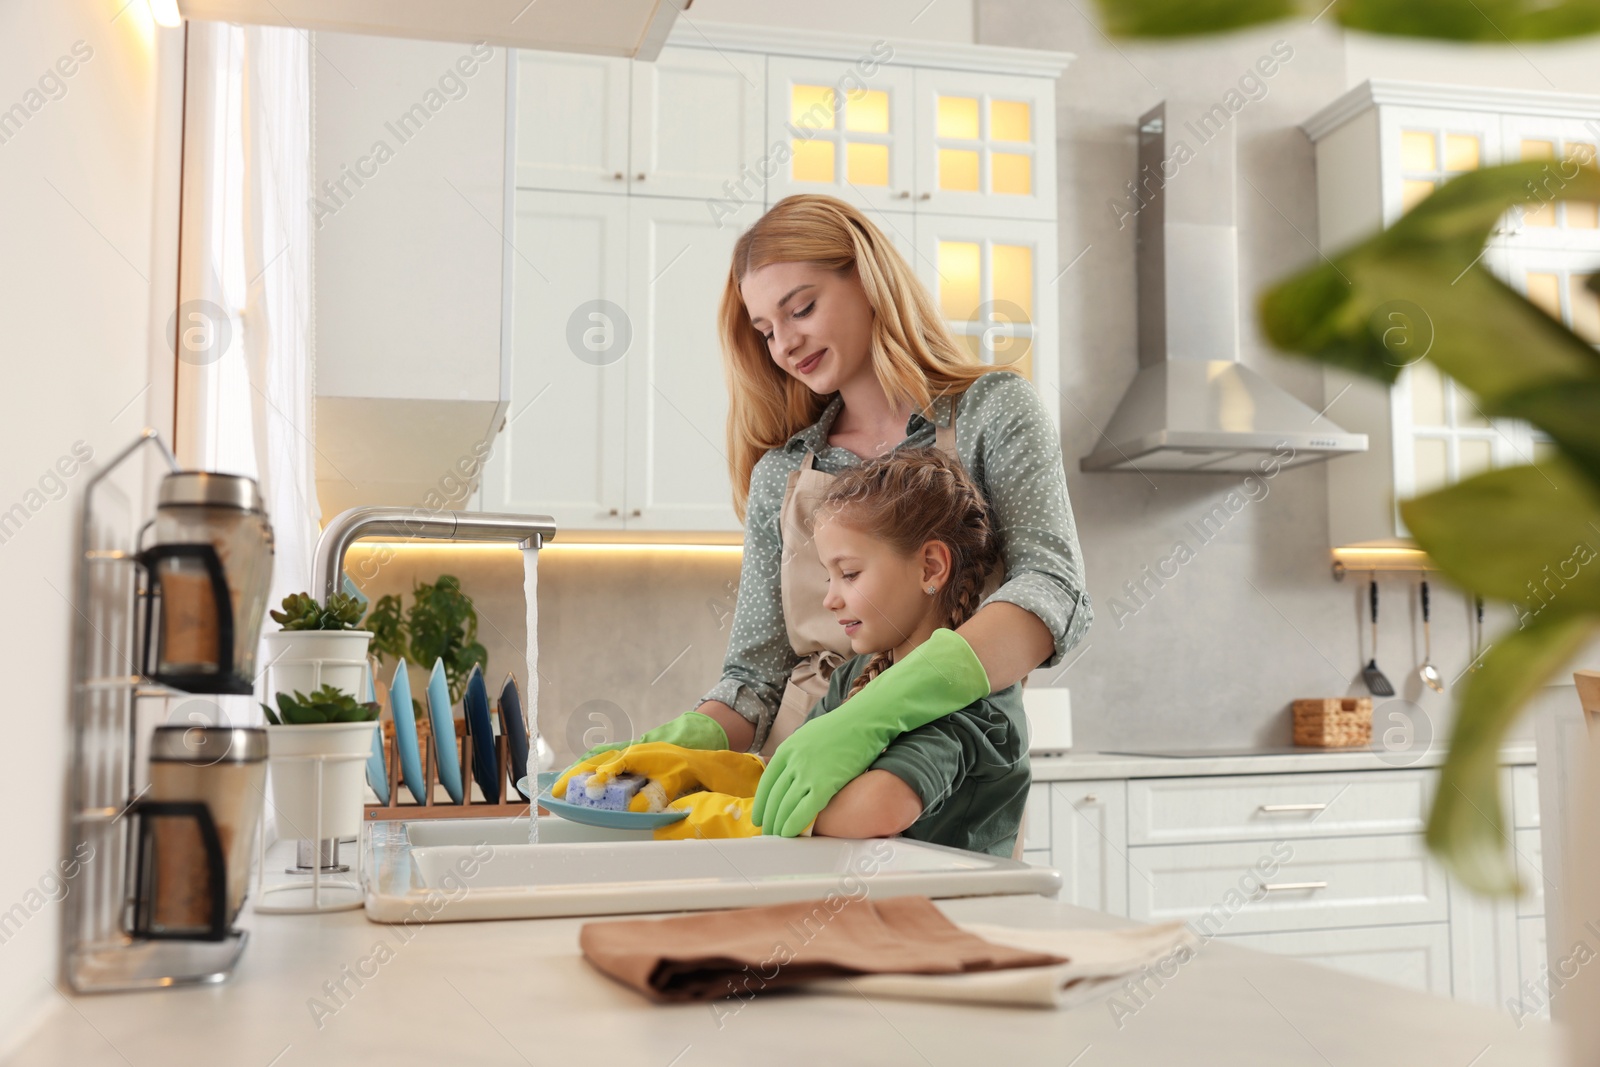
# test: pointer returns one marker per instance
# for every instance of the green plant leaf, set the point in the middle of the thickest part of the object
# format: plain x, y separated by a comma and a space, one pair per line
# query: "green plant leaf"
1466, 827
1176, 18
1527, 535
1493, 21
1420, 288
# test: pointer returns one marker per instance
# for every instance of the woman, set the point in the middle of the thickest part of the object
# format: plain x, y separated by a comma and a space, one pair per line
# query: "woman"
835, 353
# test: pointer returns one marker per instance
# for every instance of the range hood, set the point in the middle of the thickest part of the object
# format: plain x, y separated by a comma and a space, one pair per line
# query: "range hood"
1193, 406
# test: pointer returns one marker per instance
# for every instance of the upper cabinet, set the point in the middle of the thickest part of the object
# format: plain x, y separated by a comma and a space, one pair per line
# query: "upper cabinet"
986, 145
410, 282
1381, 149
635, 179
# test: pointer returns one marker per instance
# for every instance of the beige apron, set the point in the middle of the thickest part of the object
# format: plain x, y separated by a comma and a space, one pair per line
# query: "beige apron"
815, 635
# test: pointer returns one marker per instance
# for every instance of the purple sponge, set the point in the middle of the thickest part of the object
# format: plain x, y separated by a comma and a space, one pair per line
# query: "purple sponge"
613, 796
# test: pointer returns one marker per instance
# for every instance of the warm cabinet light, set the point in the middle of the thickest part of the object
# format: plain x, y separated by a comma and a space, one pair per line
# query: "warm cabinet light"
165, 12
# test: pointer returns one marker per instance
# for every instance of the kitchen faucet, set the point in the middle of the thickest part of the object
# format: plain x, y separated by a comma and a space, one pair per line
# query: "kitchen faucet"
352, 524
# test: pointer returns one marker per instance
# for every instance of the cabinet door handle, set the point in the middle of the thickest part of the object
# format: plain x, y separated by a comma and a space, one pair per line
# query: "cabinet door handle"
904, 195
639, 177
1283, 887
613, 512
618, 176
925, 196
1270, 808
1090, 798
637, 513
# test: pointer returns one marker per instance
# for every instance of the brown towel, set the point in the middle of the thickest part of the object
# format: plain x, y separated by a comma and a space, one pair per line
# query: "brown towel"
742, 951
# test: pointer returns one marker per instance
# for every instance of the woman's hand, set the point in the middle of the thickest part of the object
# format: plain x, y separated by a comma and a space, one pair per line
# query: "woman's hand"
940, 675
690, 730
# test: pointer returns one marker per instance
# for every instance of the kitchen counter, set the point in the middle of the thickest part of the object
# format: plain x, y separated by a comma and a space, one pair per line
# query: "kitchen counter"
1081, 766
519, 992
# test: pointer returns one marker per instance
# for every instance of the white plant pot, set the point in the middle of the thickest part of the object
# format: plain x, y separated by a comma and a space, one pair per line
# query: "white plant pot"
296, 754
305, 660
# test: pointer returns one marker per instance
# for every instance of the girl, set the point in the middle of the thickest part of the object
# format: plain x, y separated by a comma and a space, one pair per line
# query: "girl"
907, 542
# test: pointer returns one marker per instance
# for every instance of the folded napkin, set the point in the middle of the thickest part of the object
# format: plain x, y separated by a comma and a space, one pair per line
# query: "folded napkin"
707, 955
1098, 961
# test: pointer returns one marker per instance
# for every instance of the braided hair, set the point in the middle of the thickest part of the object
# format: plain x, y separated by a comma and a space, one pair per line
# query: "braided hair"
906, 498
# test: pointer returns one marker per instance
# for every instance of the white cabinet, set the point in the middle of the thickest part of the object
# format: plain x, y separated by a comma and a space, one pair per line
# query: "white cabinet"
1327, 866
608, 354
985, 144
696, 126
1312, 884
849, 128
992, 282
572, 122
565, 392
1380, 149
1417, 957
410, 269
677, 475
1088, 828
635, 179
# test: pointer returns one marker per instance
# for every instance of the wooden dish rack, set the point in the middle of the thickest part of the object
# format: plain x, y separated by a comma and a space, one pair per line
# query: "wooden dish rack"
468, 808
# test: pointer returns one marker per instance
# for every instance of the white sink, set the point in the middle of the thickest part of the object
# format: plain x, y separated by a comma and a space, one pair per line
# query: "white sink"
455, 869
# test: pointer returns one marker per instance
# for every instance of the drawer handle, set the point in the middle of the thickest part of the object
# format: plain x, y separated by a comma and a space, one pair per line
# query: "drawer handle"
1270, 808
1281, 887
1090, 798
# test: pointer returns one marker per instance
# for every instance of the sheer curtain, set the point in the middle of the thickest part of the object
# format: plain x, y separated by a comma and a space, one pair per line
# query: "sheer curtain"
245, 386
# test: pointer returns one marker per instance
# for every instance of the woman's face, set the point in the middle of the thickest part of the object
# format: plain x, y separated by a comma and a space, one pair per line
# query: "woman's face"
817, 324
879, 597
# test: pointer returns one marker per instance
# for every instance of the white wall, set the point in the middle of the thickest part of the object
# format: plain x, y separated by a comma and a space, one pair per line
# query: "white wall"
898, 20
88, 179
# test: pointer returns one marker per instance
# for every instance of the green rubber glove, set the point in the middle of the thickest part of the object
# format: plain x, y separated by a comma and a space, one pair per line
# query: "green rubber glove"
692, 729
940, 675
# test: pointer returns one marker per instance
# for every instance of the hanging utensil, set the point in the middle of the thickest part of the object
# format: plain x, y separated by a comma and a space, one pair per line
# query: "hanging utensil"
1377, 684
1428, 672
1477, 637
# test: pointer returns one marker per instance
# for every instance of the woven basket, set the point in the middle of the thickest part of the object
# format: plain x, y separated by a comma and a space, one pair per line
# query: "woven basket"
1333, 722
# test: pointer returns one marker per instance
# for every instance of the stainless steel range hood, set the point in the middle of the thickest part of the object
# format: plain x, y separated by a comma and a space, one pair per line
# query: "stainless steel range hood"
1193, 406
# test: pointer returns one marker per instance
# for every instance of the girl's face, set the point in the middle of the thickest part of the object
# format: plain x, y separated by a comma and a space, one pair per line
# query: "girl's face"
817, 324
879, 597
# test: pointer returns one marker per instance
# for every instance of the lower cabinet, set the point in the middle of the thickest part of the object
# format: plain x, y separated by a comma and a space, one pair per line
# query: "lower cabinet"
1327, 867
1416, 956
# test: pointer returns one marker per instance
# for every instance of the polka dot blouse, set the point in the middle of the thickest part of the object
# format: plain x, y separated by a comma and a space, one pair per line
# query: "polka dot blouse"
1007, 443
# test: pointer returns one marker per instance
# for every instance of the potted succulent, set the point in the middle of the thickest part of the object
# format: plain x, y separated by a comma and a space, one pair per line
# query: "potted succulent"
318, 645
317, 749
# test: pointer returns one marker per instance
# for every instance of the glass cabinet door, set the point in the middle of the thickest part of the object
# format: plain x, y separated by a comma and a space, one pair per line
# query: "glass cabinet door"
985, 145
1564, 145
847, 135
991, 280
1422, 148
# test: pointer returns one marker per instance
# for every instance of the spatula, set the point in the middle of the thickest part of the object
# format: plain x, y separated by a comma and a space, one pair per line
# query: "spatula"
1377, 684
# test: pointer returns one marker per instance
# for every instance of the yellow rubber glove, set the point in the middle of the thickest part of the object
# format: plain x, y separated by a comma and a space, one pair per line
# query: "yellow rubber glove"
712, 815
674, 769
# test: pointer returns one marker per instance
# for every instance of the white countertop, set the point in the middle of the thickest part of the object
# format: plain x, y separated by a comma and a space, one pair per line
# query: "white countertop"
1078, 766
518, 993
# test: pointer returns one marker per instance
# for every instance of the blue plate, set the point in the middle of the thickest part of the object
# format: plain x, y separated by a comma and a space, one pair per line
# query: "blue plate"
616, 820
405, 733
442, 714
377, 773
516, 732
480, 728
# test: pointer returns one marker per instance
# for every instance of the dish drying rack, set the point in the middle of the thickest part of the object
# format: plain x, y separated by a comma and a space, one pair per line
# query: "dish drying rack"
98, 955
431, 809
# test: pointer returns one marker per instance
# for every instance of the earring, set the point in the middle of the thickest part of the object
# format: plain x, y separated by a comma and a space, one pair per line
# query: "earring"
932, 589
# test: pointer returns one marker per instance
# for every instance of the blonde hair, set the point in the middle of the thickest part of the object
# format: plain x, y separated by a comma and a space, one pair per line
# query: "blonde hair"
914, 354
906, 498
